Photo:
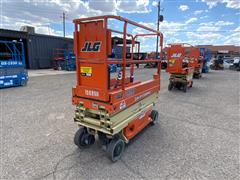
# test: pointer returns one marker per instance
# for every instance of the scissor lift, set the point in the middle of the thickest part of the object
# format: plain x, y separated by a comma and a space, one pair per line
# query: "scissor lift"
207, 55
181, 64
195, 53
115, 109
12, 64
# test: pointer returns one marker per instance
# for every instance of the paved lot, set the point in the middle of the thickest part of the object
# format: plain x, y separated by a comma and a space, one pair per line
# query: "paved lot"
197, 136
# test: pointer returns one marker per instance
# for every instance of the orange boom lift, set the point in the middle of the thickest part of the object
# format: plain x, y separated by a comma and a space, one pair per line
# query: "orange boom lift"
181, 63
115, 109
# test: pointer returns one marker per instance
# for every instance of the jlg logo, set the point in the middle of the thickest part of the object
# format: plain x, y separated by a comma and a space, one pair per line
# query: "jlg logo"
92, 46
176, 55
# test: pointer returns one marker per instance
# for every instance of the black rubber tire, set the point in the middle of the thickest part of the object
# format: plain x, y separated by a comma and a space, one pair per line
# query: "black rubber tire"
170, 86
115, 149
23, 83
185, 88
154, 117
196, 76
83, 139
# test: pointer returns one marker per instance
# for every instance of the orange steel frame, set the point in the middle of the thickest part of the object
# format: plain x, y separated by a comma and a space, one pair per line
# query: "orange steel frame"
98, 88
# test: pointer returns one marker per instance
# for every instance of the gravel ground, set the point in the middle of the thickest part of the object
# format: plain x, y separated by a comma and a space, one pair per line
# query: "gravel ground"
197, 136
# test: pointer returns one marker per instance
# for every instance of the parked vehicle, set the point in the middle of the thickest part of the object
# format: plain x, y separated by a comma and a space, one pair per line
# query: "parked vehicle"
236, 64
217, 63
227, 63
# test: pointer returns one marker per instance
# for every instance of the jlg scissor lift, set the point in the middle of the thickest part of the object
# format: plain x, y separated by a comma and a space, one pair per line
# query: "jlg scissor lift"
181, 64
114, 109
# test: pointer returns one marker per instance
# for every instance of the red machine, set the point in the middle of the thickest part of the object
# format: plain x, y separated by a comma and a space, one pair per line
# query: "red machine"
58, 58
195, 52
115, 109
181, 63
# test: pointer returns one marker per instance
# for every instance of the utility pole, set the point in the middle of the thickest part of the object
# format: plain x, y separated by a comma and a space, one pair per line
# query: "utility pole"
158, 14
64, 18
159, 19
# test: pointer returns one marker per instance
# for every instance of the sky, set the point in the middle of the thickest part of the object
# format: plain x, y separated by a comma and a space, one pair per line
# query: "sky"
196, 22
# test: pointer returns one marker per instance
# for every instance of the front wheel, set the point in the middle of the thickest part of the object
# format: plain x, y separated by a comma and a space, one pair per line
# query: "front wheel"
115, 149
23, 83
83, 139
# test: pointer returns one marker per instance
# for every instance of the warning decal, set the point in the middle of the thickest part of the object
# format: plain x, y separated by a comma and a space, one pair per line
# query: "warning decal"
171, 62
86, 71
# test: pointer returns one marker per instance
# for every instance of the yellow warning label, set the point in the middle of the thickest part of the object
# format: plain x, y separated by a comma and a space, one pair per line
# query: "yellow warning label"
171, 62
86, 70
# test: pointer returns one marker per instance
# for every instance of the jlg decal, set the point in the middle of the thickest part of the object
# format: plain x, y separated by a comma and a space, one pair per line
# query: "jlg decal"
91, 46
176, 55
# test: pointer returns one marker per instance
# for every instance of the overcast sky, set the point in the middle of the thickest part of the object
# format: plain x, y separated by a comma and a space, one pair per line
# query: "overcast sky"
191, 21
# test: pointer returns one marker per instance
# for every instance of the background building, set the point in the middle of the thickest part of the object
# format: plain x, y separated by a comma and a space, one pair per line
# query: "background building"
228, 50
38, 48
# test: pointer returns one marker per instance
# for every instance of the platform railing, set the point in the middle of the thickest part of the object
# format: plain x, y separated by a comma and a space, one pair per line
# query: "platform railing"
124, 61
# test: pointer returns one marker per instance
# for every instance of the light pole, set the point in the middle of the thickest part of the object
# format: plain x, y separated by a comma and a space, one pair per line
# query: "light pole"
159, 19
64, 23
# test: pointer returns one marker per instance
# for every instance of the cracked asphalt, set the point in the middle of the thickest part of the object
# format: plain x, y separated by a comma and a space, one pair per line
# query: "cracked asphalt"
197, 136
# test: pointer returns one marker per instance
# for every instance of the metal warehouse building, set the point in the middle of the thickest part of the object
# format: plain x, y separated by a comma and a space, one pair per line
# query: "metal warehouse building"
39, 48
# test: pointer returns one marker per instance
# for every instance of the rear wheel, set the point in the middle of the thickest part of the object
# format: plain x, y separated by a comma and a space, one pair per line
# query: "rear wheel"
170, 86
185, 88
83, 139
197, 76
115, 149
154, 117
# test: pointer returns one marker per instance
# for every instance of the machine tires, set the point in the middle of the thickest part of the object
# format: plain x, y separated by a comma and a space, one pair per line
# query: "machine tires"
23, 83
170, 86
185, 88
154, 117
83, 139
115, 149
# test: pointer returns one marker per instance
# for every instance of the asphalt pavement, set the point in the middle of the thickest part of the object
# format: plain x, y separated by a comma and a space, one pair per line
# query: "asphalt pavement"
197, 136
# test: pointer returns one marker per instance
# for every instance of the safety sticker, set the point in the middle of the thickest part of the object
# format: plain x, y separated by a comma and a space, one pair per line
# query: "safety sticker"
171, 62
122, 105
86, 71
